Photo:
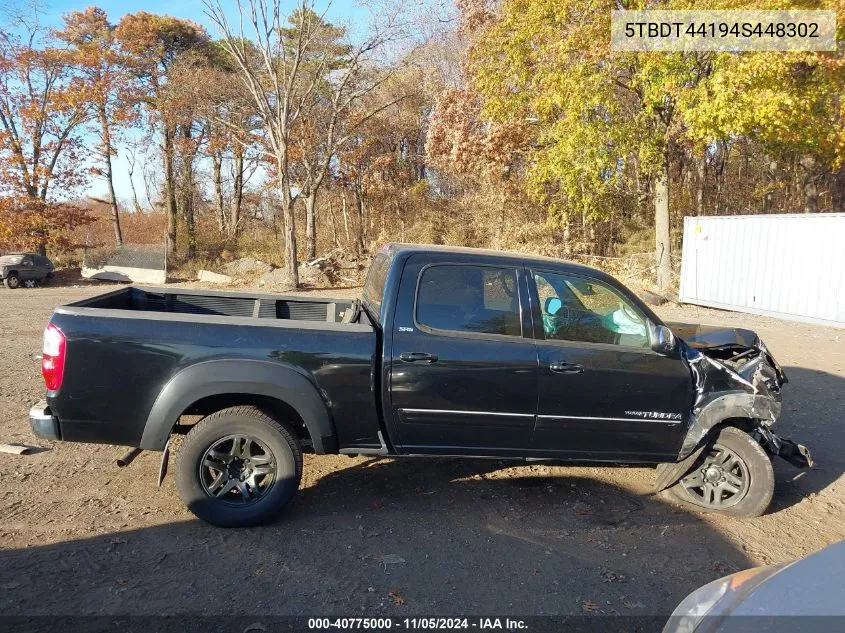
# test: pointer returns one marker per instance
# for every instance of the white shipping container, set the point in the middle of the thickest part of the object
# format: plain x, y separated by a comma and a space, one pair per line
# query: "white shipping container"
790, 266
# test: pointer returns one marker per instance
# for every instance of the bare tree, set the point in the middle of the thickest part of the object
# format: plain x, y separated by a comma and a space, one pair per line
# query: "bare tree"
297, 71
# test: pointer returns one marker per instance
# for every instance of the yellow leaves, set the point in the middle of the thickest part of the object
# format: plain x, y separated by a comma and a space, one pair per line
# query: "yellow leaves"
548, 61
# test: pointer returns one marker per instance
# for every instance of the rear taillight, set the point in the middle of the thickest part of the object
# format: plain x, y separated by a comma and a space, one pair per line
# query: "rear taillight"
53, 357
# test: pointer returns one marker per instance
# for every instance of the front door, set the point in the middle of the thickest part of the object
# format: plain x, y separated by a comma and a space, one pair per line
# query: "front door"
463, 366
603, 393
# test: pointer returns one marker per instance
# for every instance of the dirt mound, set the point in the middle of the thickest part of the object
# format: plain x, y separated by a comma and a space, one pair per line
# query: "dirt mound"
246, 266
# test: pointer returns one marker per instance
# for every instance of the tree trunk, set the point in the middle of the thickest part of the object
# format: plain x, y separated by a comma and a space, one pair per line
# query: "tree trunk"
663, 247
333, 223
237, 192
345, 212
720, 176
170, 190
135, 202
360, 239
291, 258
770, 175
701, 178
187, 192
809, 188
107, 149
311, 224
217, 175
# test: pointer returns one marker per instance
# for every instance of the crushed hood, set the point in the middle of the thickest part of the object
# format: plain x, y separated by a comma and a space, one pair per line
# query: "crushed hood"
731, 347
734, 376
712, 336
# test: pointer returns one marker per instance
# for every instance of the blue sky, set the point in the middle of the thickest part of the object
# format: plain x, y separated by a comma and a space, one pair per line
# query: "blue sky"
339, 11
346, 12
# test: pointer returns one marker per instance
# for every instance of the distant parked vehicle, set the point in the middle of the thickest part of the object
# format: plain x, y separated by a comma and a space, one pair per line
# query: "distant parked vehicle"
770, 599
24, 269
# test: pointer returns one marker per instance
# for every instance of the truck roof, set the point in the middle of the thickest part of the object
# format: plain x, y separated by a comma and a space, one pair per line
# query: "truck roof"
398, 248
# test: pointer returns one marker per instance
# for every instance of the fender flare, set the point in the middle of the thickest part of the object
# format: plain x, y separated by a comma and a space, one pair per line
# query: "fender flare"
239, 376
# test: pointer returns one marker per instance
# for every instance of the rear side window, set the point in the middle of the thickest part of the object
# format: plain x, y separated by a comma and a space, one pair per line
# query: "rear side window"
479, 299
374, 285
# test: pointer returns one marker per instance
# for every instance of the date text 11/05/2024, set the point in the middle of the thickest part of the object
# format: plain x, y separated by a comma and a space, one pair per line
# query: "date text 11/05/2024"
418, 623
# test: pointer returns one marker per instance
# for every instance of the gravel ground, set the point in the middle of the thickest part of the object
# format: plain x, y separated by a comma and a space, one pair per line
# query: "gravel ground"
396, 537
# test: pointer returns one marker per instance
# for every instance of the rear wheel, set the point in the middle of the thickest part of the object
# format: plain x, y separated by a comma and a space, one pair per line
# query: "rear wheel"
734, 476
12, 281
29, 283
238, 467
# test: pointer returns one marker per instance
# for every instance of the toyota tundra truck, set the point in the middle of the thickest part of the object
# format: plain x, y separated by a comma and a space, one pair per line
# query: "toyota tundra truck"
448, 351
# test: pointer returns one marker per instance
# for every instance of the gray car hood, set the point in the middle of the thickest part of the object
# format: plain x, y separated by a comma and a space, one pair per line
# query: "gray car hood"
810, 586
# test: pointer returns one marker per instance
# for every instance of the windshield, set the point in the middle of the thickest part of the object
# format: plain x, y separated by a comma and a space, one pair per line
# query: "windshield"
11, 259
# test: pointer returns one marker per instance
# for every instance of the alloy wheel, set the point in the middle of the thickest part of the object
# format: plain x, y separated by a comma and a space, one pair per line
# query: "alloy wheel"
719, 481
237, 469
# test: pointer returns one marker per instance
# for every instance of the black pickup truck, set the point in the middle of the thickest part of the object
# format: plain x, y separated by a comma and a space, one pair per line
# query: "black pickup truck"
449, 351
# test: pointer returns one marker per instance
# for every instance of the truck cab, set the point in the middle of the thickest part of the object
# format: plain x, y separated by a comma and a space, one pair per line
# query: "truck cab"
513, 356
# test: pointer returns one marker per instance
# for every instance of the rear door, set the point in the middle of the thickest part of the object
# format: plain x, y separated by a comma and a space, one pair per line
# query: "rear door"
28, 269
43, 265
603, 393
463, 363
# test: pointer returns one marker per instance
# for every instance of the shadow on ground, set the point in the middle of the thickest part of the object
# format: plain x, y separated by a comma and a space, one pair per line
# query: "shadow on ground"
812, 415
413, 536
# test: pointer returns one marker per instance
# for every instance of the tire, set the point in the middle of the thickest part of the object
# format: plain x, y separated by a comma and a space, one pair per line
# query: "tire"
738, 462
29, 283
12, 281
223, 496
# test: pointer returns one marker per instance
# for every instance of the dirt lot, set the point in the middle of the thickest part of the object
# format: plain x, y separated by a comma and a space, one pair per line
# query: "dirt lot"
378, 536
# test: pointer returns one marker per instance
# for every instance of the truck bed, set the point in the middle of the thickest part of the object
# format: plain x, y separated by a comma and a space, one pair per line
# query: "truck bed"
219, 303
126, 346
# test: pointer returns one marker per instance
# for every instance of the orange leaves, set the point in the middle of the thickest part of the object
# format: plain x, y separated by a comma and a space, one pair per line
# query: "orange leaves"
461, 141
41, 109
30, 224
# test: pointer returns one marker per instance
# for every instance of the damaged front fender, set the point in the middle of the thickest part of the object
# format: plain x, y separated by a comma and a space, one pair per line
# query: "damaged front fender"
735, 377
744, 385
737, 404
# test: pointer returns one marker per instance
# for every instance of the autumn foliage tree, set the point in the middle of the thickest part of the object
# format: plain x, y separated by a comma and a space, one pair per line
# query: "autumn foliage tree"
102, 79
41, 113
153, 43
610, 129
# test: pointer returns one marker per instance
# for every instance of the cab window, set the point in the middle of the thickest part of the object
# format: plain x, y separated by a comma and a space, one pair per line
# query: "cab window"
478, 299
584, 310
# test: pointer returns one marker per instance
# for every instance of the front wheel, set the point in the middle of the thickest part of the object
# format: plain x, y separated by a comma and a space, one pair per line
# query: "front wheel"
238, 467
734, 477
12, 281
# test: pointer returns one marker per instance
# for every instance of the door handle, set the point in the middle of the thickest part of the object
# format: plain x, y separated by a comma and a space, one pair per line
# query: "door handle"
563, 367
417, 357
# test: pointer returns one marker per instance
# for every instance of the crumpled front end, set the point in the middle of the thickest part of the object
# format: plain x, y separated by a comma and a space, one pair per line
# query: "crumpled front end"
746, 384
735, 376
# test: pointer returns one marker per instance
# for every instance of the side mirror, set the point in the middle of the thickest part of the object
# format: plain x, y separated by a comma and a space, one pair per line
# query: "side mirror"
553, 304
662, 339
